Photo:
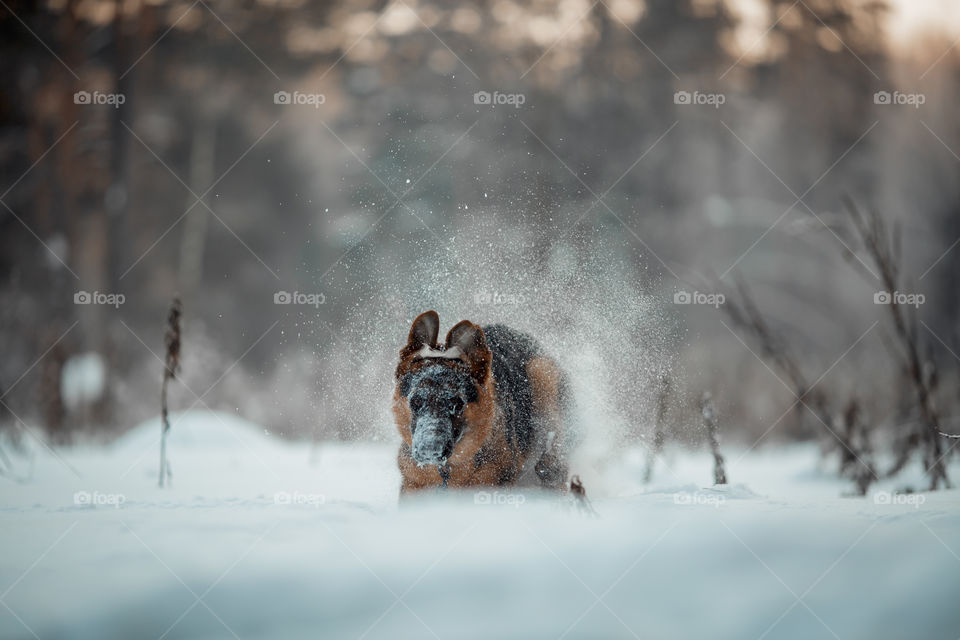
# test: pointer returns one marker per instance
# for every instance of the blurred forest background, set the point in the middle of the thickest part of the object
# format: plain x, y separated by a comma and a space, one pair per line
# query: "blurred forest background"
231, 151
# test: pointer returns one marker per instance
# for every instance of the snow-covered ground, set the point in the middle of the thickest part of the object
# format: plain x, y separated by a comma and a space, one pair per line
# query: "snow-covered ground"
259, 538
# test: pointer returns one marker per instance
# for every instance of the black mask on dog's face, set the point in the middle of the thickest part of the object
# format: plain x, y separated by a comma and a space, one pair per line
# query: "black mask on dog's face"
437, 395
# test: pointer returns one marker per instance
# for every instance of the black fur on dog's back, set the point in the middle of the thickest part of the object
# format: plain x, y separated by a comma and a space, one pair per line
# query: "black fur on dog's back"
512, 350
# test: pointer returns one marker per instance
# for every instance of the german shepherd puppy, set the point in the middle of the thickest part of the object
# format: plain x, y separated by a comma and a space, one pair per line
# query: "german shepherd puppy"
484, 408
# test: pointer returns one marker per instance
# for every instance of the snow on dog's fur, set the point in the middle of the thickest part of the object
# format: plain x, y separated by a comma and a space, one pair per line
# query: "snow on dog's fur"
485, 408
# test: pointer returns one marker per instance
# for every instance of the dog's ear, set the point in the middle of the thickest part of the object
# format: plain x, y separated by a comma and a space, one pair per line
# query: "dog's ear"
471, 342
424, 330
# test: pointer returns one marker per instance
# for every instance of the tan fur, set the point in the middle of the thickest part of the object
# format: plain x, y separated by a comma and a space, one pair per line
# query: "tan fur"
545, 376
402, 416
545, 379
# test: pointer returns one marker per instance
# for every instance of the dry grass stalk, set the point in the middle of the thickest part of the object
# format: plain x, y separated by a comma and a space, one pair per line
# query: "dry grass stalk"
171, 367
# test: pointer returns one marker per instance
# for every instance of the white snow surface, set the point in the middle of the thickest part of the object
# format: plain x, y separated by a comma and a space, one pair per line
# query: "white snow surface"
260, 538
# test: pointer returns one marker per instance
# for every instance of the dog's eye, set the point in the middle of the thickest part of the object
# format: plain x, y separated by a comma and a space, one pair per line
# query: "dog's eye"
416, 403
456, 407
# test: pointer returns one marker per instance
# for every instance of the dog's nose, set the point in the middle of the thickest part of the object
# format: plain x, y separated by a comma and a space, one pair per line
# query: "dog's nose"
432, 441
428, 451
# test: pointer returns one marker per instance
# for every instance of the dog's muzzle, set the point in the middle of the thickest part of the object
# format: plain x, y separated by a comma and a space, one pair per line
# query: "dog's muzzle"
432, 440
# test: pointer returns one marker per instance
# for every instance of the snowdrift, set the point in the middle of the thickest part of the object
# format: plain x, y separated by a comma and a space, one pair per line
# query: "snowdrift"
260, 538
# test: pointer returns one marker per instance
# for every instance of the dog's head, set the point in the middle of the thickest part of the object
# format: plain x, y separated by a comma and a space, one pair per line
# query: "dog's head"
439, 387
